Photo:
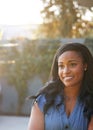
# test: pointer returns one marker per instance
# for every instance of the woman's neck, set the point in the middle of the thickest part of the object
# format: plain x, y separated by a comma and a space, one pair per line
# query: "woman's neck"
71, 93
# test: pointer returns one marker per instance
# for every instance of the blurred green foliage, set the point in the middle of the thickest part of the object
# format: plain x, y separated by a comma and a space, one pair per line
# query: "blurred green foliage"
30, 59
89, 43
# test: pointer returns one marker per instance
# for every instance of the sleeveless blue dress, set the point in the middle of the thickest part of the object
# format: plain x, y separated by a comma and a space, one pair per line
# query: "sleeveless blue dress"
56, 118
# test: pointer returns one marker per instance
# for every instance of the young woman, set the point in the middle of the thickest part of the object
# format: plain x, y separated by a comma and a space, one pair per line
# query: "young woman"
66, 101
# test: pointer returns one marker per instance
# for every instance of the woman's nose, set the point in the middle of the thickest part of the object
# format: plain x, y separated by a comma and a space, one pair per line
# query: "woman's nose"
66, 69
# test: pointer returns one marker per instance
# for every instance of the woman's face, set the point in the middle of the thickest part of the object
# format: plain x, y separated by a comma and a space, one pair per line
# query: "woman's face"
71, 68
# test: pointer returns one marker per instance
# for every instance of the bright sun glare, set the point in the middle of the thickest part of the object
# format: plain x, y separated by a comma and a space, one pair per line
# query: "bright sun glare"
16, 12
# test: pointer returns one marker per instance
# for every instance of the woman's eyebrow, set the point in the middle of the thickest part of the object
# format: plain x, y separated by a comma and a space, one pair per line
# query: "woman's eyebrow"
70, 61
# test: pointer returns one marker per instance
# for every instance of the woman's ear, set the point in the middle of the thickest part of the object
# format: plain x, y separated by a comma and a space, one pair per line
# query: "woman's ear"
85, 67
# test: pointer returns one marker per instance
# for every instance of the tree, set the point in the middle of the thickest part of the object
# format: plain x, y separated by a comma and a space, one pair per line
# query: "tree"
83, 29
86, 3
60, 17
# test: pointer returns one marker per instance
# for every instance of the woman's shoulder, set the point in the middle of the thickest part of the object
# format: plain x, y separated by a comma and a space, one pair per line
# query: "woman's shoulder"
41, 101
41, 98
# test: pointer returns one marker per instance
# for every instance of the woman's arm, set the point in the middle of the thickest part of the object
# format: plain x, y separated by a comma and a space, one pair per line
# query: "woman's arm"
36, 121
90, 127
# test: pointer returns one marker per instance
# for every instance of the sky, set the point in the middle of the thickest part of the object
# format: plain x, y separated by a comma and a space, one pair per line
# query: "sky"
22, 12
88, 16
16, 12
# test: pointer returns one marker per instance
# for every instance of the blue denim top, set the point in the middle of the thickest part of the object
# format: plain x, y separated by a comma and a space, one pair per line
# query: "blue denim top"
56, 118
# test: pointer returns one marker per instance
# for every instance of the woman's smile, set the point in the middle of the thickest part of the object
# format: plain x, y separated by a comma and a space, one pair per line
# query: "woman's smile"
67, 78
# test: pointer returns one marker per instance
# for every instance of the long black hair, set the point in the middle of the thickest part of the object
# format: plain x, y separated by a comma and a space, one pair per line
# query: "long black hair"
55, 87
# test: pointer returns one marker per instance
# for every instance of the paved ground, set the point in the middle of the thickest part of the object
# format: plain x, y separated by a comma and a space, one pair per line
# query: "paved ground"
13, 123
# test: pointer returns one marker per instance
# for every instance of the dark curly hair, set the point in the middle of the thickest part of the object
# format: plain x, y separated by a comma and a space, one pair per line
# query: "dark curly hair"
55, 87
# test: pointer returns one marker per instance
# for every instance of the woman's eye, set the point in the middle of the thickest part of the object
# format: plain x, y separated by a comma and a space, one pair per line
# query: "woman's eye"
61, 66
73, 64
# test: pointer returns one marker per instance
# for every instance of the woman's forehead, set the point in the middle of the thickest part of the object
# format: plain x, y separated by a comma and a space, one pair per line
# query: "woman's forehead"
70, 55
